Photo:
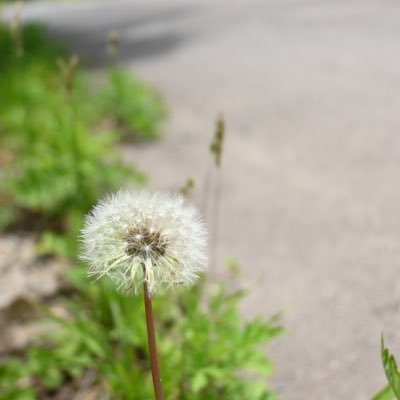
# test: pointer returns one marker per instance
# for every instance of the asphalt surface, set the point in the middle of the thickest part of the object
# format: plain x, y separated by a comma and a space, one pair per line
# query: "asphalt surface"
310, 180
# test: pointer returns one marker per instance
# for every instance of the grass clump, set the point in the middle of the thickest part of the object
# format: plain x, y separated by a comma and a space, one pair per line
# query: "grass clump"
205, 349
55, 158
133, 107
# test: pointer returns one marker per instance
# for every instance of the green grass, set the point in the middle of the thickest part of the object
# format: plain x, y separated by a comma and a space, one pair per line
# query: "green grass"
205, 348
56, 159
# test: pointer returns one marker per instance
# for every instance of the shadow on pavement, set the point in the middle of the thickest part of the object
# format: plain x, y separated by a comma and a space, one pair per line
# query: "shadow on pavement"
143, 31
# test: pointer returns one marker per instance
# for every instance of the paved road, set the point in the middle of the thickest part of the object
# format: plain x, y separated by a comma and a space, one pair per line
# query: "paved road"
310, 197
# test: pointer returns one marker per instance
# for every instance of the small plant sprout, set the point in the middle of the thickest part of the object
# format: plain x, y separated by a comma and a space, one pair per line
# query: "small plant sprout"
149, 240
213, 186
113, 43
187, 188
216, 146
16, 30
68, 70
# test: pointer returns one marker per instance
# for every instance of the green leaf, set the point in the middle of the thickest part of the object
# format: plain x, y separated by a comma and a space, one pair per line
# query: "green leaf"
391, 370
51, 243
385, 394
199, 381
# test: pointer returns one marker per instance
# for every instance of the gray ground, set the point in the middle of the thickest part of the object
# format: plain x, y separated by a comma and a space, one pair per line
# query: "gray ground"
310, 197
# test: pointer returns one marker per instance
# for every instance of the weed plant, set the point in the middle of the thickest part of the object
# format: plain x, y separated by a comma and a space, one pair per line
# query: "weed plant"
204, 346
138, 116
55, 163
52, 145
392, 390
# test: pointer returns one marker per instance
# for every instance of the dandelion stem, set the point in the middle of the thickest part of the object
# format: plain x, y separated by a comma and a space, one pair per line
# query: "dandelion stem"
151, 336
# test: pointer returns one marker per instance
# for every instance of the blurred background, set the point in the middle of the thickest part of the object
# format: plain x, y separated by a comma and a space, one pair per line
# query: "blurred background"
306, 197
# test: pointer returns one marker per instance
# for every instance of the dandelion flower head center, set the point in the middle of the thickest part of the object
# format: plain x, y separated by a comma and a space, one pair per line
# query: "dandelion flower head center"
145, 242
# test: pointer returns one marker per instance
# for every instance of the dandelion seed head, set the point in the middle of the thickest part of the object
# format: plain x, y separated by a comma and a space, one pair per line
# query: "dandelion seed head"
136, 236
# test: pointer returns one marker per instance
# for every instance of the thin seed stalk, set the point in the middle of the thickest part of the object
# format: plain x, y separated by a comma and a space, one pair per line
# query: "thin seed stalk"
151, 336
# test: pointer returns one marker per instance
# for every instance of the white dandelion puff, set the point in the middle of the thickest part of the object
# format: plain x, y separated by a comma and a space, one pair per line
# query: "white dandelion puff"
140, 236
